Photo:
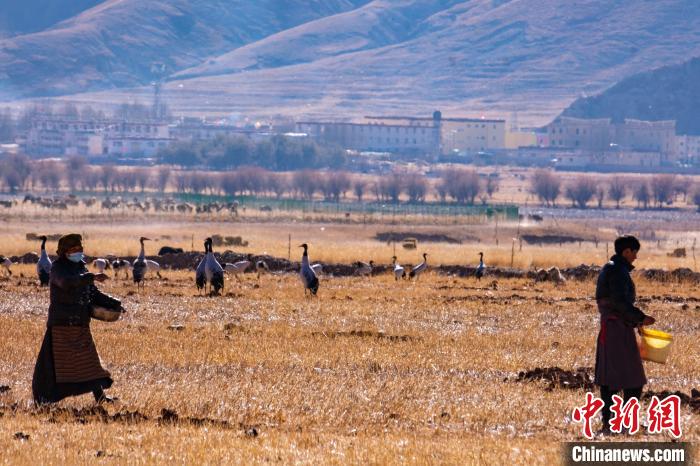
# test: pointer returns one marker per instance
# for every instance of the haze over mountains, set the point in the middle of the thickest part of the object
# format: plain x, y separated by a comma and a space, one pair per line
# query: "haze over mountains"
345, 58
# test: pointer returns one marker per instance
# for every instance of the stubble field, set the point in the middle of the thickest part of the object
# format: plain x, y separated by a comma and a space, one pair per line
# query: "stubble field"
370, 371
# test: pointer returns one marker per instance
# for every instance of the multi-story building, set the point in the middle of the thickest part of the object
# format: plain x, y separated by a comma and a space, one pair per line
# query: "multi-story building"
688, 148
375, 137
578, 133
457, 135
648, 136
602, 135
195, 129
413, 135
50, 135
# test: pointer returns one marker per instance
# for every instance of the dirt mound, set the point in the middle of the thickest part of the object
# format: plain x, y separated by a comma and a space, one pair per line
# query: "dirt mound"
681, 274
551, 239
559, 378
35, 237
399, 236
582, 272
28, 258
470, 271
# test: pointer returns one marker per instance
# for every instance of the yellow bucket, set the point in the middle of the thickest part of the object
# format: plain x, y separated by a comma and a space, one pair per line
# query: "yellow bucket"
655, 345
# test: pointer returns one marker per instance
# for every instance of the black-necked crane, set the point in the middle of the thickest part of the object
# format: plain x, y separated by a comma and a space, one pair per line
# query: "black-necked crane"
317, 268
43, 266
481, 268
364, 268
153, 266
238, 267
420, 268
306, 273
100, 264
213, 271
399, 271
121, 264
260, 266
138, 269
200, 277
7, 264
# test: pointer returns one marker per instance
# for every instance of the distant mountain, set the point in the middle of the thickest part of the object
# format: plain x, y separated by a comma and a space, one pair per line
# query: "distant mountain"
27, 16
343, 58
667, 93
115, 43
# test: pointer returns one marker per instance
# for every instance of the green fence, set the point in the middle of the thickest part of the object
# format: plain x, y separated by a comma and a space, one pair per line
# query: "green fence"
505, 211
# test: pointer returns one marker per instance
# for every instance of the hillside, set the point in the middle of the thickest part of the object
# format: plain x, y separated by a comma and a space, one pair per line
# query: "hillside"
114, 44
349, 58
30, 16
668, 93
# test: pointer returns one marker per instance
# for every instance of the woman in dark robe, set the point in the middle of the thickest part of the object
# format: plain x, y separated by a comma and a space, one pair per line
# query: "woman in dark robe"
68, 364
618, 365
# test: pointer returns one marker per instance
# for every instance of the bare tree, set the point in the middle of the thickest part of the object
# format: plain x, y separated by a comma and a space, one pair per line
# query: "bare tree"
462, 185
600, 196
663, 189
683, 185
162, 179
642, 194
142, 177
278, 183
334, 185
492, 186
74, 170
416, 187
581, 191
391, 187
107, 177
359, 187
15, 171
230, 183
305, 183
546, 186
50, 176
618, 189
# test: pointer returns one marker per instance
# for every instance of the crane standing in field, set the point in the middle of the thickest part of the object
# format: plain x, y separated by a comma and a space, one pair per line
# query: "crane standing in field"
139, 268
238, 267
213, 271
43, 266
420, 268
6, 263
399, 271
200, 278
121, 264
481, 268
364, 268
306, 273
100, 264
153, 266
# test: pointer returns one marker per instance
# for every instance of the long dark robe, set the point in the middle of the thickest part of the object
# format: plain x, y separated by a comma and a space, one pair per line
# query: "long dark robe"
618, 362
68, 363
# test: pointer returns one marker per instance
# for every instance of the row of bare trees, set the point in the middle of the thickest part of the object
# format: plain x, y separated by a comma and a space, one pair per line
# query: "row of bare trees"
655, 191
460, 185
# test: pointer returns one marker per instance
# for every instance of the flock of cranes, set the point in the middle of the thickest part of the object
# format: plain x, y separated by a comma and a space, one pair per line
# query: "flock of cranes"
209, 273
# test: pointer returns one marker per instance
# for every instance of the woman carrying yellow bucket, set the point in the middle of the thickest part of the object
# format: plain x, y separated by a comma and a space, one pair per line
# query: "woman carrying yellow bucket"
618, 361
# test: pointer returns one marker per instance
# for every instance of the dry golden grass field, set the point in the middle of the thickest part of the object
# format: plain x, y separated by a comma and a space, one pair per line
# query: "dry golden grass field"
369, 371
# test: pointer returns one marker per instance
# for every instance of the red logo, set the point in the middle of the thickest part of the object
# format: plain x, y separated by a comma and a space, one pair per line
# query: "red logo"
586, 412
665, 415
